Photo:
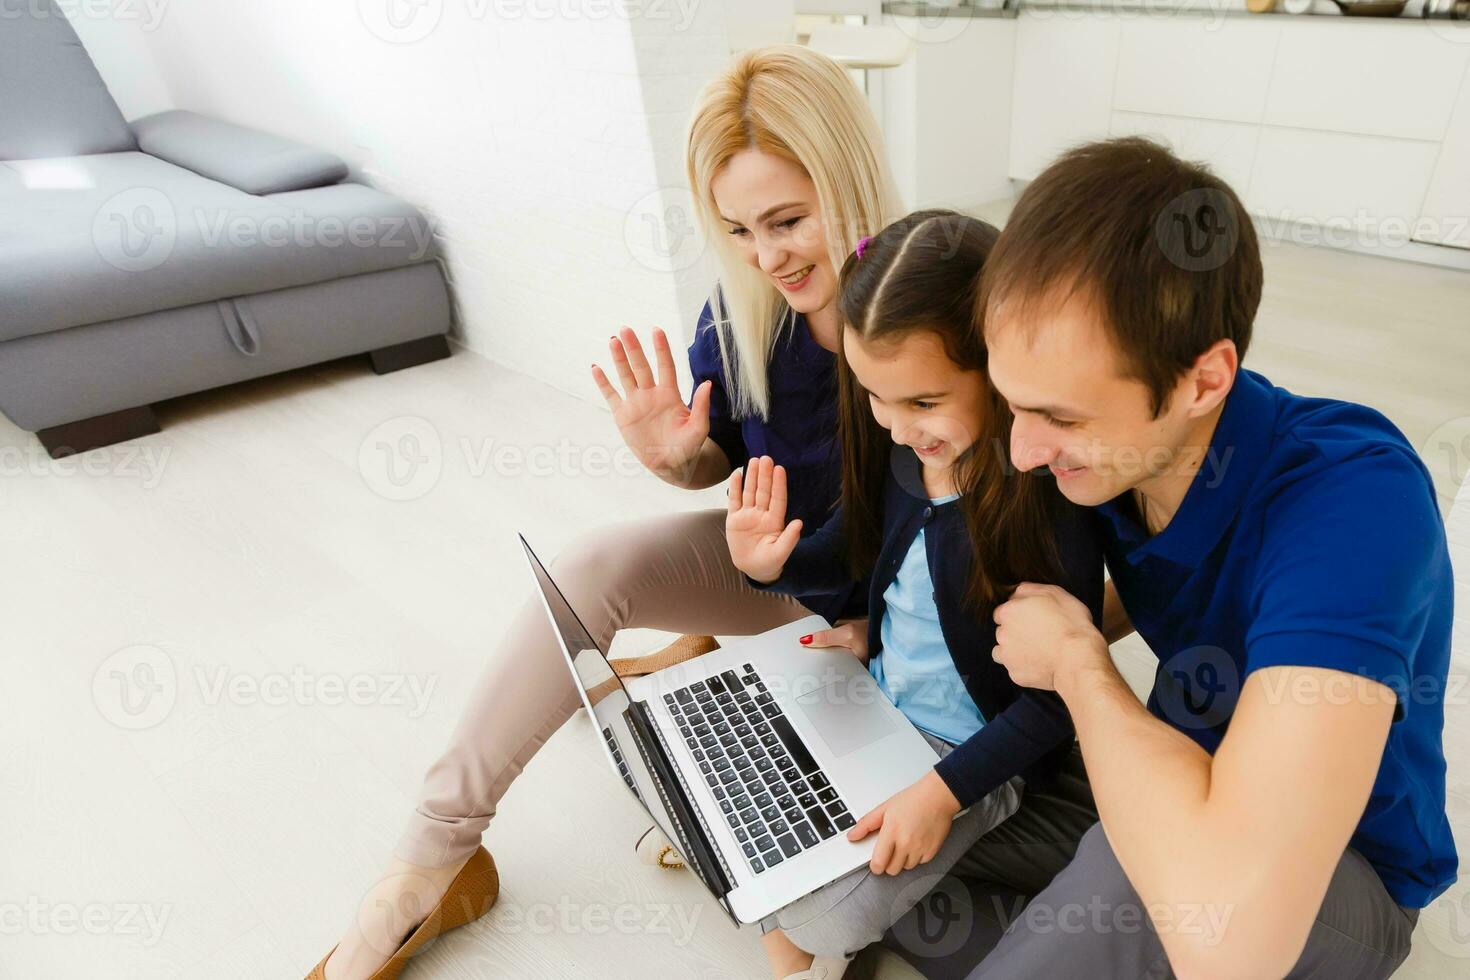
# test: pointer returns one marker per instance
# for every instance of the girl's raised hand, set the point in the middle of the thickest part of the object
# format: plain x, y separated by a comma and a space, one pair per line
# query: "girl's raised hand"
665, 434
755, 526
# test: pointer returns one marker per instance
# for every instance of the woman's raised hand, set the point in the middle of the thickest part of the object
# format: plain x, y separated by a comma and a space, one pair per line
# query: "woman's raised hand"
755, 526
666, 434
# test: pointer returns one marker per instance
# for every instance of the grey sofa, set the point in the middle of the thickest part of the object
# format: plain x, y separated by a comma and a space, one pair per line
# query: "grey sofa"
179, 253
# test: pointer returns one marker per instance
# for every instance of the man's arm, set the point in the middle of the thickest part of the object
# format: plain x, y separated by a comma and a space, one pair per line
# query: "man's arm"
1232, 855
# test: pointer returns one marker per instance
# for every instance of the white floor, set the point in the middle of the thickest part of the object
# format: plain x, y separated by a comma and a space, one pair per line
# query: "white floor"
189, 792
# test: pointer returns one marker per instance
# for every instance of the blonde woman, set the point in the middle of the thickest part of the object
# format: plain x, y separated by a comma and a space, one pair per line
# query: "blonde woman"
785, 161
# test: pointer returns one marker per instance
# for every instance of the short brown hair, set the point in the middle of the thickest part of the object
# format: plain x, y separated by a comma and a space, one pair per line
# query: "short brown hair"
1162, 246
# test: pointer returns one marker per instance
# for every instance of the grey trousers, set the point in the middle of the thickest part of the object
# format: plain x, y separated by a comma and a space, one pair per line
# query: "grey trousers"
846, 915
966, 910
1090, 922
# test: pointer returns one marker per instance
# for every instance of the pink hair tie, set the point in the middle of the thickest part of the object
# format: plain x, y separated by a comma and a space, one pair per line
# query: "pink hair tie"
862, 245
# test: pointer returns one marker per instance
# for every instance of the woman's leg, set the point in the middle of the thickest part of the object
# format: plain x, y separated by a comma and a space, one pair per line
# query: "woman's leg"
672, 573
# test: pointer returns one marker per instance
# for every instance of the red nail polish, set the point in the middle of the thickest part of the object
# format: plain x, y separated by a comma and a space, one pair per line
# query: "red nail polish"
805, 640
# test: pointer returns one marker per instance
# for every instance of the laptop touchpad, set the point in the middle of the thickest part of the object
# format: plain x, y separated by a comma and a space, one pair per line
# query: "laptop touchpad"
846, 717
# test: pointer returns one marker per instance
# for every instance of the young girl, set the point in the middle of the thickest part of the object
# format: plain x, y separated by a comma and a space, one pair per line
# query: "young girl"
942, 529
787, 168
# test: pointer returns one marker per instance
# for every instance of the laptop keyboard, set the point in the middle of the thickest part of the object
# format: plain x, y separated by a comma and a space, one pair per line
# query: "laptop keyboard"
773, 794
617, 754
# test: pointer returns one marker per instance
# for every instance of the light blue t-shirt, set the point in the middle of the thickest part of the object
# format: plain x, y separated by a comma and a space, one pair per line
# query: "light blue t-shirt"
915, 668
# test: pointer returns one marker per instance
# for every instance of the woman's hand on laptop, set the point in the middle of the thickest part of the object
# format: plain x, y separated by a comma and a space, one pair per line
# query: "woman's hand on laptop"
851, 636
664, 433
755, 526
911, 825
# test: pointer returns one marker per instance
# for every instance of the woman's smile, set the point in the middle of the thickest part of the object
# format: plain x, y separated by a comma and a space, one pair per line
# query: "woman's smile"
796, 280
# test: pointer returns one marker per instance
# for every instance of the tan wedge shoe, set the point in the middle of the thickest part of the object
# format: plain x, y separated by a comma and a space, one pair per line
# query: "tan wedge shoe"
469, 896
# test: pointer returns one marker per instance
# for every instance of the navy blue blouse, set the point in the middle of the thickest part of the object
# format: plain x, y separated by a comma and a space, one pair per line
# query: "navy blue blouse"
800, 433
1026, 732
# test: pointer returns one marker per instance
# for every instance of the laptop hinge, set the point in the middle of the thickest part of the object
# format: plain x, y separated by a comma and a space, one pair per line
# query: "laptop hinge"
694, 837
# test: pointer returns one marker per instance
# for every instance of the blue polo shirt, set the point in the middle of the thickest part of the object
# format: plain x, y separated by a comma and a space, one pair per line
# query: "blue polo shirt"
800, 432
1311, 537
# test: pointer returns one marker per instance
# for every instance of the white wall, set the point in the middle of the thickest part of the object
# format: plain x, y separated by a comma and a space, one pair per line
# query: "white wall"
546, 145
947, 111
116, 34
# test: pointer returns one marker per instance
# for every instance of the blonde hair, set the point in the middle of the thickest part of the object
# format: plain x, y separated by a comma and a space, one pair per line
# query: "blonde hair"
792, 102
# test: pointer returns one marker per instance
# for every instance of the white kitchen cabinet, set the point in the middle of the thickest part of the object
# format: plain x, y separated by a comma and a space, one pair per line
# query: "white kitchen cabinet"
1195, 66
1445, 217
1229, 148
1338, 178
1317, 120
1063, 90
1388, 79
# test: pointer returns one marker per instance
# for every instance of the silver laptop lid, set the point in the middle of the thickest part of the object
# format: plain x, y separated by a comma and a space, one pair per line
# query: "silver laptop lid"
629, 737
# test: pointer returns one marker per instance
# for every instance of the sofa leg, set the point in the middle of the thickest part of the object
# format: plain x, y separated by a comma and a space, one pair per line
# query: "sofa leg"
103, 430
411, 354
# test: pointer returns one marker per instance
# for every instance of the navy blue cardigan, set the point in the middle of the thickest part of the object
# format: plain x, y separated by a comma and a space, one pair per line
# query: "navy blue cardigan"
1026, 731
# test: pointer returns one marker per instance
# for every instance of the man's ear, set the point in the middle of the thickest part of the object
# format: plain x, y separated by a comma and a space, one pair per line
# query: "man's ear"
1212, 377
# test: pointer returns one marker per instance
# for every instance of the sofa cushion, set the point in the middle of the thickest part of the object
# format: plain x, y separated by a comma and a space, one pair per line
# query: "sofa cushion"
52, 100
96, 238
247, 159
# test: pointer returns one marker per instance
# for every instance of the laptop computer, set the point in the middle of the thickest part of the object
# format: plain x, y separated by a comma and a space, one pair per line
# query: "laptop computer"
754, 759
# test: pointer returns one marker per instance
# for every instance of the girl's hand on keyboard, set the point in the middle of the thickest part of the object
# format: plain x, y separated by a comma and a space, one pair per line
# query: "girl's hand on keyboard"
850, 636
911, 825
755, 526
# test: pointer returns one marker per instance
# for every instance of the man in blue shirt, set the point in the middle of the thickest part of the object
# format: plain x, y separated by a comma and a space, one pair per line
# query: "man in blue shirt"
1278, 806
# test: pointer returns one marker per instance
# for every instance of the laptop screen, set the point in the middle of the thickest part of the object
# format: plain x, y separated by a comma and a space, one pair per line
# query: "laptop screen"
606, 697
608, 702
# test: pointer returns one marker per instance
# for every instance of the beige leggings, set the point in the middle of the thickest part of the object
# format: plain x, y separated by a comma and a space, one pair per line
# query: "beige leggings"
669, 573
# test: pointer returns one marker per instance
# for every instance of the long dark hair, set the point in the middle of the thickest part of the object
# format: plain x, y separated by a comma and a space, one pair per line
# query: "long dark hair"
921, 274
